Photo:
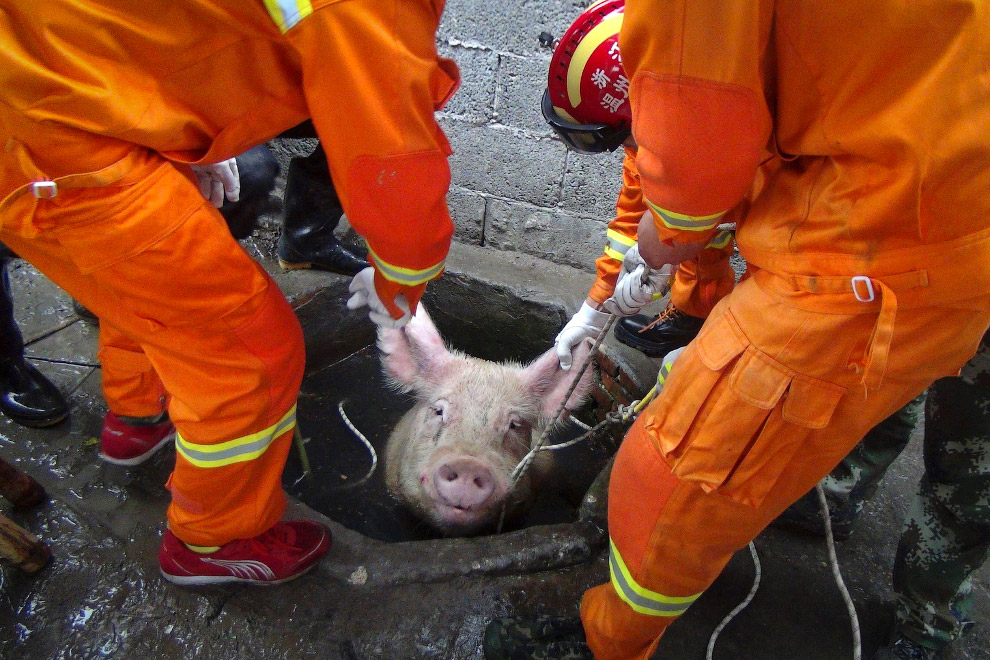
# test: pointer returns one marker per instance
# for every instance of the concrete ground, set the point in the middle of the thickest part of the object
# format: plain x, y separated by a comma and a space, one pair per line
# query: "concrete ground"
102, 596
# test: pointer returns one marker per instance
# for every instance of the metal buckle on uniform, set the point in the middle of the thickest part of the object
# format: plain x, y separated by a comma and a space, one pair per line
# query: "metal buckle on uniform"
869, 288
44, 189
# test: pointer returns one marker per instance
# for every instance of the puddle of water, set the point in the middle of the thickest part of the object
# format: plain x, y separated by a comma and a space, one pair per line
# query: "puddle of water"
338, 458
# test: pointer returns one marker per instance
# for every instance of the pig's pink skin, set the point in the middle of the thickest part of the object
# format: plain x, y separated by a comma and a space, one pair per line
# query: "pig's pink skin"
450, 458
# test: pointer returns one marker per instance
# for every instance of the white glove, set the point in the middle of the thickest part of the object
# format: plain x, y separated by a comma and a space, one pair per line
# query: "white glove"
586, 322
217, 180
363, 293
637, 285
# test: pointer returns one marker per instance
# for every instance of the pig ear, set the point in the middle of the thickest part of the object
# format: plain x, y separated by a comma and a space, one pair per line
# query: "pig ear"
550, 383
414, 352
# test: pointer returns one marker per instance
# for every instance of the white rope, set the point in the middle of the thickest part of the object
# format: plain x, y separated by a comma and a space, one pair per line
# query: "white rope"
741, 606
833, 561
371, 450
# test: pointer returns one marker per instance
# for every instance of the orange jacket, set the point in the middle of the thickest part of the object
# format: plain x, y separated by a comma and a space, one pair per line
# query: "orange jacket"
205, 80
879, 111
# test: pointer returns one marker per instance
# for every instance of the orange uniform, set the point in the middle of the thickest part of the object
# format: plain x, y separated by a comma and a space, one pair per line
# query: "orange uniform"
104, 106
871, 250
696, 285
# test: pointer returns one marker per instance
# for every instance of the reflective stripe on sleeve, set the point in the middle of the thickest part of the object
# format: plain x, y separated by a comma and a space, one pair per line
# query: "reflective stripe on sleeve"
686, 222
640, 598
405, 276
238, 450
618, 244
720, 240
288, 13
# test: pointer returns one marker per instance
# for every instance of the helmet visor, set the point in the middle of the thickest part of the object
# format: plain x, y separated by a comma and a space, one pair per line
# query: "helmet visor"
585, 138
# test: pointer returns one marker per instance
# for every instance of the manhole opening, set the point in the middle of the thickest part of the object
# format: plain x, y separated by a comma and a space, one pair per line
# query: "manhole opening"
338, 459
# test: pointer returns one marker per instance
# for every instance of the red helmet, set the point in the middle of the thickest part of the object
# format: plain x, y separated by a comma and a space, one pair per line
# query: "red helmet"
587, 96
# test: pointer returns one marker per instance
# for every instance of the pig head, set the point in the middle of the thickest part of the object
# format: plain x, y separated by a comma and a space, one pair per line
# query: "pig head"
450, 458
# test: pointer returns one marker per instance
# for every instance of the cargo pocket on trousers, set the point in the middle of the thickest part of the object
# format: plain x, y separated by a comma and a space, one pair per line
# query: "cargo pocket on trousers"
745, 420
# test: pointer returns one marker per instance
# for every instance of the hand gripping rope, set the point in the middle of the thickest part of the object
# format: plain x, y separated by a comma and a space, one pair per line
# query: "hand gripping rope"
624, 414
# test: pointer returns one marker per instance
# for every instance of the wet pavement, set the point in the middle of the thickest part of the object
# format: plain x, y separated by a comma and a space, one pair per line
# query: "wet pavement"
102, 597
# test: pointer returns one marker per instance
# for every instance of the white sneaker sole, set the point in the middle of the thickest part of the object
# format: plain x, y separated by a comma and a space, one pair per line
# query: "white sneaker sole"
137, 460
203, 580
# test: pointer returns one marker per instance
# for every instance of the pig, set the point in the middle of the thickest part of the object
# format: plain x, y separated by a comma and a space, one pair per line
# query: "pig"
450, 458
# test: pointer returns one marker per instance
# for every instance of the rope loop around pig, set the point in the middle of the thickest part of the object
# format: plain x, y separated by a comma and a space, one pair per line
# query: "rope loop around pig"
621, 415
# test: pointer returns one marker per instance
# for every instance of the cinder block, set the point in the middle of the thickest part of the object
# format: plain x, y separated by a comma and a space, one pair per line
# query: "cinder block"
498, 161
547, 233
519, 86
467, 210
474, 100
513, 26
592, 183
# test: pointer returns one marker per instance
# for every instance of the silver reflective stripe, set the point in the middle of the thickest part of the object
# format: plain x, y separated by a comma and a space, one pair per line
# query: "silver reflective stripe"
406, 276
288, 13
686, 222
639, 598
238, 450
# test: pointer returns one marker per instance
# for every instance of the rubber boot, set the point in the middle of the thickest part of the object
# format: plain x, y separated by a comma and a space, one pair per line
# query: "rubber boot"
26, 396
312, 213
257, 169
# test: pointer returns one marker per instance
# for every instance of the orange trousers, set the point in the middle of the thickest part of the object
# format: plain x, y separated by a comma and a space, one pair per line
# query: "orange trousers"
188, 318
752, 416
700, 283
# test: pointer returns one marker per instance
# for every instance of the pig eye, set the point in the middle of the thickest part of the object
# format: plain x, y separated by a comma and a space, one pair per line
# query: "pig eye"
440, 410
516, 424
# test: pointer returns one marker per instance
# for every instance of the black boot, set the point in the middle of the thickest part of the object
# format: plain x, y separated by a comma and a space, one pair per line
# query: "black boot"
26, 396
661, 334
312, 212
257, 169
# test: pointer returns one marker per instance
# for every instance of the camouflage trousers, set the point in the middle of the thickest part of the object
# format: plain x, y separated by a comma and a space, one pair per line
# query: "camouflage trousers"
946, 536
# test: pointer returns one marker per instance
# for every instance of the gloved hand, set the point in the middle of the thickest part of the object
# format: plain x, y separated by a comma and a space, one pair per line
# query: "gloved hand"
363, 293
219, 179
587, 322
637, 285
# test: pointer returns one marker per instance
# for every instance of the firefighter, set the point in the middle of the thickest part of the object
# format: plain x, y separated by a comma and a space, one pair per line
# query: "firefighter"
107, 108
586, 104
869, 248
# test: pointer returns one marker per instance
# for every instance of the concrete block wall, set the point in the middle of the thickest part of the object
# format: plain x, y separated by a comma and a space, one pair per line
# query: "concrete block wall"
515, 187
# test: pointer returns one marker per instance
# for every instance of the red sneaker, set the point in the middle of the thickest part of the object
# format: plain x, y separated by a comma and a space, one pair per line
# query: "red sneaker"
286, 551
127, 444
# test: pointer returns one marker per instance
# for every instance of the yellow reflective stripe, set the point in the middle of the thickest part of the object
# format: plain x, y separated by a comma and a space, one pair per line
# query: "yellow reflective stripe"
618, 244
720, 240
238, 450
288, 13
640, 598
406, 276
595, 38
609, 252
686, 222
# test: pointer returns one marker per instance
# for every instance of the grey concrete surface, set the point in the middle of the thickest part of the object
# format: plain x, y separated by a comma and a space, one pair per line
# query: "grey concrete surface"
529, 216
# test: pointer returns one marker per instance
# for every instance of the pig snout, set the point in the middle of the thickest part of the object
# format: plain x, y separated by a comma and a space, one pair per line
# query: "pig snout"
464, 483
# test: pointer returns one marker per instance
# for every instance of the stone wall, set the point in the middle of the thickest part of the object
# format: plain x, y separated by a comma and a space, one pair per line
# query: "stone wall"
515, 187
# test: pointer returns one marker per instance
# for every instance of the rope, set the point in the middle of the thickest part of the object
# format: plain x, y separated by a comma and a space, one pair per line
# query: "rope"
371, 449
833, 561
741, 606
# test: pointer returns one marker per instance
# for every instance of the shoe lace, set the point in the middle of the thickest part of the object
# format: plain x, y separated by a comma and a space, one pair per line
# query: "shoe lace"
669, 312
